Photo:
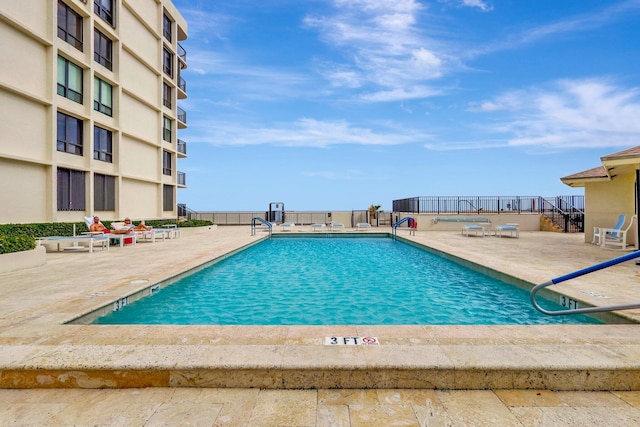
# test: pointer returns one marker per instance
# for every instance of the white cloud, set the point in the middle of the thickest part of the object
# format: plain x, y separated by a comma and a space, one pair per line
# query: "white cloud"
415, 92
573, 24
383, 47
569, 114
301, 133
482, 5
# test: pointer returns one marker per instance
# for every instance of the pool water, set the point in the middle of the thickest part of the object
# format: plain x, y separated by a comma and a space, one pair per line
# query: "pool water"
337, 281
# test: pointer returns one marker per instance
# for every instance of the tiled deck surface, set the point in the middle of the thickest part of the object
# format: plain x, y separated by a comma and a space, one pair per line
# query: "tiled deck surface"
284, 376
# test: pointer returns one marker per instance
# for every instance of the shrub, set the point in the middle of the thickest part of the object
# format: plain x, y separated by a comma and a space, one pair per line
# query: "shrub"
21, 237
17, 243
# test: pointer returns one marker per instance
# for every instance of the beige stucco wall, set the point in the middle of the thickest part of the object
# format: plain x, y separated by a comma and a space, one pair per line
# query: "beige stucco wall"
136, 37
141, 81
32, 14
22, 260
29, 62
140, 198
23, 127
526, 222
605, 201
138, 119
22, 191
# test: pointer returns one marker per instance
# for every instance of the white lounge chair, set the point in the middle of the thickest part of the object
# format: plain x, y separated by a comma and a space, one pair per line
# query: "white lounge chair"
287, 226
507, 228
318, 226
91, 241
613, 238
335, 226
472, 229
362, 225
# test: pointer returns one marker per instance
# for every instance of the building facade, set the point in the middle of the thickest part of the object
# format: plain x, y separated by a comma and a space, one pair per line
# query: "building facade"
611, 189
88, 105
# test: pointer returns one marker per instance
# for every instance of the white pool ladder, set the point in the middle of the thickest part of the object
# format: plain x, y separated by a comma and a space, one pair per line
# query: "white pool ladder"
257, 219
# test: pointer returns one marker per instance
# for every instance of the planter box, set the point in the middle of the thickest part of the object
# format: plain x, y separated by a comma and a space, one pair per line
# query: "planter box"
21, 260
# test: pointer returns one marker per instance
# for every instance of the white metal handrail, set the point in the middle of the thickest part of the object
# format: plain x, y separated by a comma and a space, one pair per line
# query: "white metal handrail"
579, 273
256, 219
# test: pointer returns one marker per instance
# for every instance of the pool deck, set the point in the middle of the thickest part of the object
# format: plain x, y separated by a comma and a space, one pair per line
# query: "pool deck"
50, 373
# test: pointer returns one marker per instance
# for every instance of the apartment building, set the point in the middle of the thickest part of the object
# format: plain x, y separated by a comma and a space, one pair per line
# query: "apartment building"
89, 114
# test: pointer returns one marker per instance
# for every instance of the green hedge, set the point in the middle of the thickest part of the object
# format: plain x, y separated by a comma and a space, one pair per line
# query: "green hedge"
19, 243
21, 237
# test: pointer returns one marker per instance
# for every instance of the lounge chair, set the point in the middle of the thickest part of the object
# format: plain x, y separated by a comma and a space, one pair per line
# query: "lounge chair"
151, 235
507, 228
123, 234
287, 226
598, 235
472, 229
616, 238
91, 241
335, 226
318, 226
362, 225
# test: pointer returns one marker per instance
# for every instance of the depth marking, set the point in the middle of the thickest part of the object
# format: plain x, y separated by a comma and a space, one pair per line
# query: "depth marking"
351, 341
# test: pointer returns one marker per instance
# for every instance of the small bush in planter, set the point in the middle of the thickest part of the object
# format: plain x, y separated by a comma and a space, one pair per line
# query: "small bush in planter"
16, 243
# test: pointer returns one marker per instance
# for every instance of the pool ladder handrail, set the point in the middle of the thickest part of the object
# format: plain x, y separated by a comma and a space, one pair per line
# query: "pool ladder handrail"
402, 221
263, 221
579, 273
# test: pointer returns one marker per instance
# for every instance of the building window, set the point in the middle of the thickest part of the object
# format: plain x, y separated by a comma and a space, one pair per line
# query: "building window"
102, 50
166, 163
69, 134
102, 144
167, 198
71, 190
104, 192
166, 129
69, 25
69, 80
166, 95
104, 9
167, 62
103, 96
166, 28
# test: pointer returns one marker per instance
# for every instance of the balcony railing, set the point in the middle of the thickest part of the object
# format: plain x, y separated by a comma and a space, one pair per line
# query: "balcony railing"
182, 178
182, 115
182, 53
182, 147
182, 84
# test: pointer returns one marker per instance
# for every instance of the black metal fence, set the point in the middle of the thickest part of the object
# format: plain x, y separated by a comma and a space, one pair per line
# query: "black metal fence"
565, 211
487, 204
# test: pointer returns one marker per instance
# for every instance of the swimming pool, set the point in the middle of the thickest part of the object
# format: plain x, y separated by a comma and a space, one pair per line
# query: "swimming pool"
334, 281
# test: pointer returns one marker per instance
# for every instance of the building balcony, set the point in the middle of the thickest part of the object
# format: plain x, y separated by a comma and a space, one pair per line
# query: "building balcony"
182, 88
182, 34
182, 56
182, 118
182, 148
182, 179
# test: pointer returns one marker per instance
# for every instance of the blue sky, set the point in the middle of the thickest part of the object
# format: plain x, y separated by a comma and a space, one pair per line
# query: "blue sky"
340, 104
